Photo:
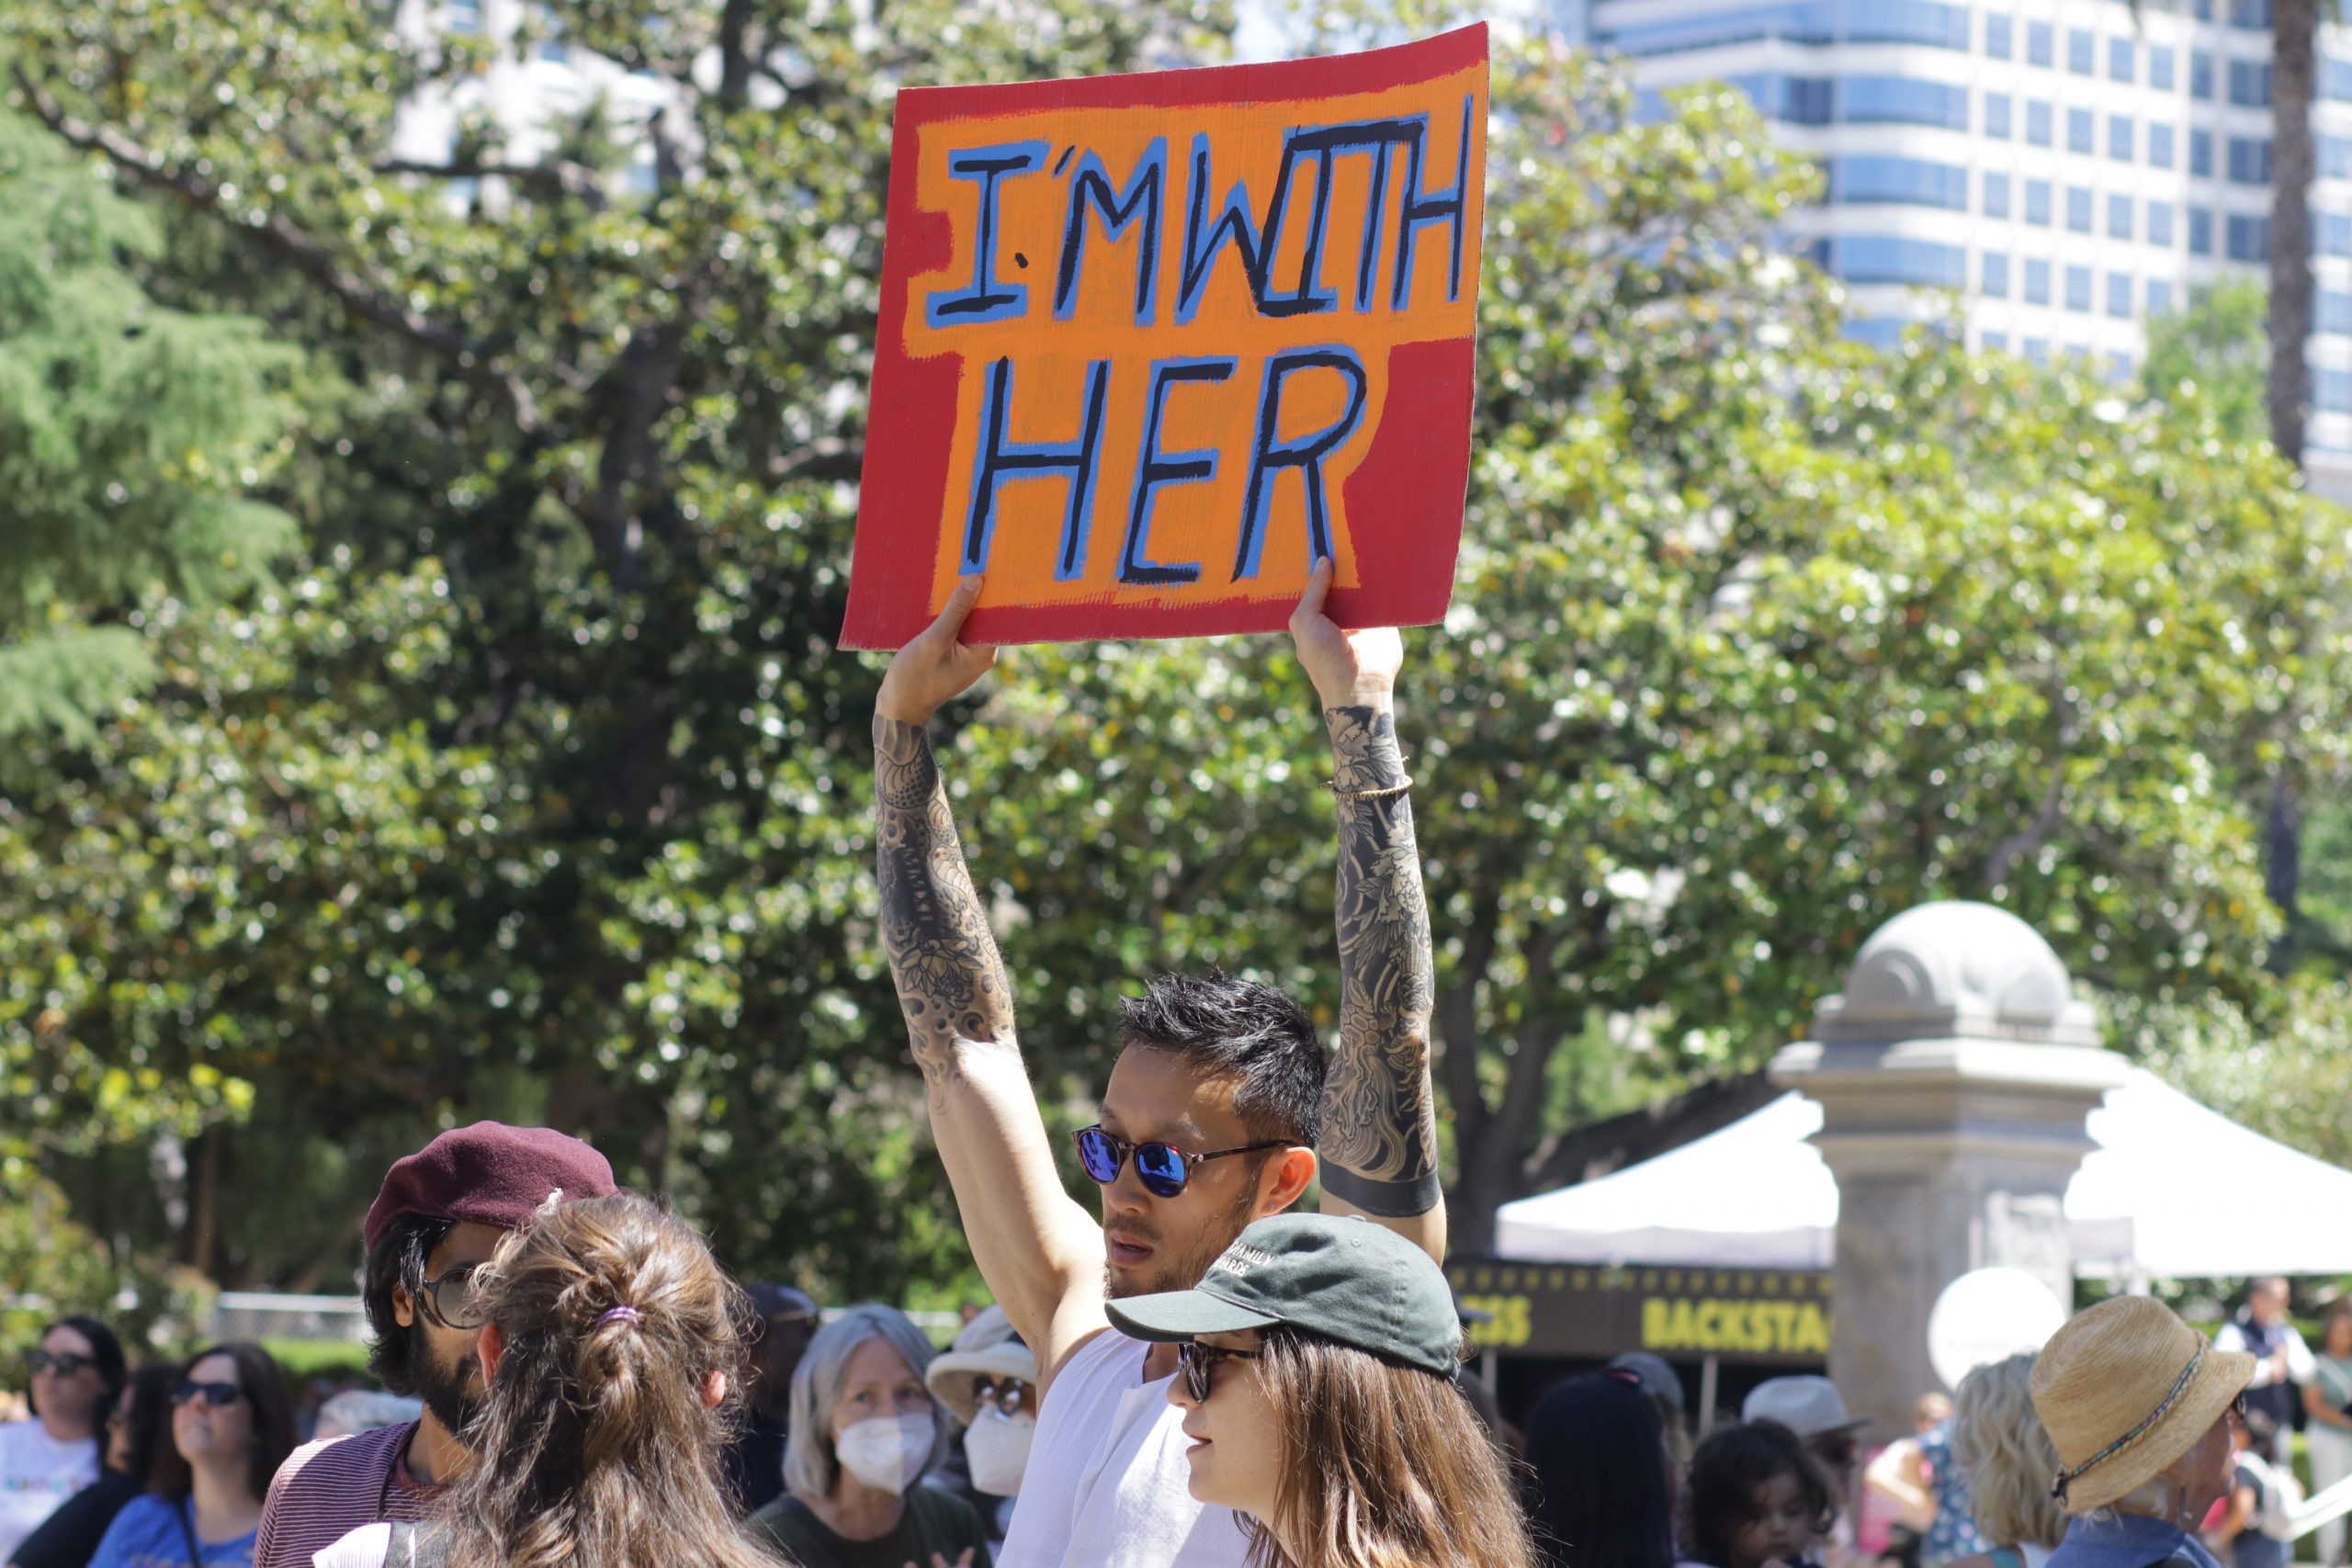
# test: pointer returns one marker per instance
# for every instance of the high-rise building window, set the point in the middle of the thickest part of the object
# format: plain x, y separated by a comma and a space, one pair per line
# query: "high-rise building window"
2249, 238
2200, 153
2160, 224
2037, 202
2082, 129
1996, 342
1997, 37
2038, 43
2335, 157
2119, 138
2119, 216
2081, 52
2200, 75
1996, 275
2121, 65
1870, 177
2037, 122
2334, 78
2331, 233
2249, 160
2200, 231
1996, 195
2078, 289
2250, 83
2159, 146
2333, 311
1895, 259
2119, 295
1997, 115
2159, 297
2252, 16
2037, 282
464, 16
2036, 350
2160, 67
1901, 100
2331, 391
2079, 208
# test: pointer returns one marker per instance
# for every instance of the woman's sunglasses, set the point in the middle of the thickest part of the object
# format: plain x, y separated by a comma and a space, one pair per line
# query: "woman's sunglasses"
218, 1395
1004, 1396
1162, 1169
1195, 1361
63, 1363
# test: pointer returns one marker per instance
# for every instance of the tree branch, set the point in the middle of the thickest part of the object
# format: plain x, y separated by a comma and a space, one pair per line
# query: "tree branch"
283, 239
1620, 1141
562, 177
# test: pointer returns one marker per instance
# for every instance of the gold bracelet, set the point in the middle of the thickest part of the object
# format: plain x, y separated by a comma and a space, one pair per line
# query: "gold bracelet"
1333, 786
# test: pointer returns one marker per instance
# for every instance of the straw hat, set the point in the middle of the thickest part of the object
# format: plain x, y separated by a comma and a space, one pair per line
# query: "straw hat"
2124, 1389
986, 1349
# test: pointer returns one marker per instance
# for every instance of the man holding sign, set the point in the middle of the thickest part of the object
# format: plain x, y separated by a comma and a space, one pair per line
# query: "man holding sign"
1219, 1111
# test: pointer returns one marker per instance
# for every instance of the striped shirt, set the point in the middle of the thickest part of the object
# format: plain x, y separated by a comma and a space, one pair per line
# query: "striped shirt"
325, 1491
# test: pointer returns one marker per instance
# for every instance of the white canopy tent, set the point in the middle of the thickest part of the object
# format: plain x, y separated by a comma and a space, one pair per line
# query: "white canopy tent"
2162, 1194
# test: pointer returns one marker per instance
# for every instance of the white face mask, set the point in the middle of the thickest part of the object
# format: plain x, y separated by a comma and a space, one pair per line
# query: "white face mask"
998, 1451
886, 1453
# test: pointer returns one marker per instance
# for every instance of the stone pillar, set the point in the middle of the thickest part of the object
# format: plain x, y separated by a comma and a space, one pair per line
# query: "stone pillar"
1954, 1073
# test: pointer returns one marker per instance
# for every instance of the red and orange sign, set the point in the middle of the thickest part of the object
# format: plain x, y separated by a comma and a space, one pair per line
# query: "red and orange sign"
1152, 345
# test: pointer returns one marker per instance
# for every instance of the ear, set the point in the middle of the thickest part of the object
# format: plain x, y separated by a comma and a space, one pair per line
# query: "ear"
487, 1349
1286, 1181
403, 1307
714, 1389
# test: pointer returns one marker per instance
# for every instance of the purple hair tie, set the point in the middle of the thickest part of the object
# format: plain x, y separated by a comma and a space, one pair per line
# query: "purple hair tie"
618, 1315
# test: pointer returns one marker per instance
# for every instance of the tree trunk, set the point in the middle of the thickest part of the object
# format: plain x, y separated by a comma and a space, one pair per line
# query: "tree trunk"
2294, 26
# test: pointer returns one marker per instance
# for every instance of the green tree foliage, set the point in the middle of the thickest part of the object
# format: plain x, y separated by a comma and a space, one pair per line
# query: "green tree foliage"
2219, 351
542, 792
130, 439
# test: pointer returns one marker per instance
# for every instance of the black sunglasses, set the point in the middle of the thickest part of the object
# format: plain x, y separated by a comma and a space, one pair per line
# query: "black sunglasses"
1195, 1361
450, 1302
1163, 1170
219, 1396
65, 1363
1004, 1396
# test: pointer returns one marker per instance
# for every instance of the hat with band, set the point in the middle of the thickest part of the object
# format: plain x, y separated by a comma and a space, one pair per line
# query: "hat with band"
1346, 1279
2124, 1389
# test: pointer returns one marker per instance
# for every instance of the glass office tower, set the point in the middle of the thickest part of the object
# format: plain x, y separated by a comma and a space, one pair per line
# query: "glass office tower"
2069, 168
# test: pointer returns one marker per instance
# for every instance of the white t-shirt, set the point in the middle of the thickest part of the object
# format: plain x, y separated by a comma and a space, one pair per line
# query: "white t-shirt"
1106, 1483
36, 1474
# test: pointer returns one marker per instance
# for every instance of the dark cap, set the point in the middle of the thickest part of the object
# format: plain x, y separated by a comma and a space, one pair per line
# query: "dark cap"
488, 1173
1346, 1279
1657, 1379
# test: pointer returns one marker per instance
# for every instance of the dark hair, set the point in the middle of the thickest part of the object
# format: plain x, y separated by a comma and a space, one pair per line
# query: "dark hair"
105, 1356
1240, 1029
1600, 1495
2261, 1426
150, 1415
397, 1258
1727, 1469
272, 1421
595, 1444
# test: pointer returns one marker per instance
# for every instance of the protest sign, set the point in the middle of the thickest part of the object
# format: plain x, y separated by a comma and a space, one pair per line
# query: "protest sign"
1151, 344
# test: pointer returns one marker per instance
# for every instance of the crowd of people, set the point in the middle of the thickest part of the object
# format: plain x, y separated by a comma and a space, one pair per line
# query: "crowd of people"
1201, 1377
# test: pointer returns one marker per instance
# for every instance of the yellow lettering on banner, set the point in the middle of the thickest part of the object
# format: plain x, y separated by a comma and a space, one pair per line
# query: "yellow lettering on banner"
1762, 1328
1511, 1325
1812, 1335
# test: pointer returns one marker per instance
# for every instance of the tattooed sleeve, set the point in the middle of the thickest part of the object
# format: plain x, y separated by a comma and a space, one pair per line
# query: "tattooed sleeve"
950, 976
1379, 1139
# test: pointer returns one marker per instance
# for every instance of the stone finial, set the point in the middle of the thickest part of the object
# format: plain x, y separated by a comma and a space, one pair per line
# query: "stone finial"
1956, 970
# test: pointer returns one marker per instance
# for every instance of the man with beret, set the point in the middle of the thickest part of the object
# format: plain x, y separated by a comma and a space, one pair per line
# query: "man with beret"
441, 1214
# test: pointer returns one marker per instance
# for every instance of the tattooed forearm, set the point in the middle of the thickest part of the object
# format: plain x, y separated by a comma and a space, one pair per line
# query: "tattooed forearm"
1379, 1139
950, 976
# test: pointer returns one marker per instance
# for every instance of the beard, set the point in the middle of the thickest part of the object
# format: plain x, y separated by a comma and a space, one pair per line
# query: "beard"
446, 1387
1184, 1270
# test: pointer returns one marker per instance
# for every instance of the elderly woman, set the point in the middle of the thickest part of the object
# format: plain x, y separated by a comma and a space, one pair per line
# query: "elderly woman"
2006, 1456
865, 1428
2138, 1407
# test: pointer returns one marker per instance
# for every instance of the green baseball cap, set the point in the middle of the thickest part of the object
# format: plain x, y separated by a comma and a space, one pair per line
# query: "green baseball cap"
1347, 1280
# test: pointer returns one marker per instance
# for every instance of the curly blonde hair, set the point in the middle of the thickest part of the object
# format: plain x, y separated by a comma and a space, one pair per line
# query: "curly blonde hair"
1998, 1440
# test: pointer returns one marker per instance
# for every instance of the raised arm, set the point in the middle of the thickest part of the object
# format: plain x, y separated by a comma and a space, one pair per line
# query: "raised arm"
1378, 1145
1041, 1254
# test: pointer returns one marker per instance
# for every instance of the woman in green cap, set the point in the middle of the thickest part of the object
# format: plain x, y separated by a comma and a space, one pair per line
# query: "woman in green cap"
1316, 1367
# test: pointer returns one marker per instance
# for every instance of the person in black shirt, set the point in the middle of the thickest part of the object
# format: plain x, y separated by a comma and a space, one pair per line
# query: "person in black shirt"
754, 1461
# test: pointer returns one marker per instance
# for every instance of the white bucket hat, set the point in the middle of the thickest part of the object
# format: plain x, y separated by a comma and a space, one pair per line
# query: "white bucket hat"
985, 1348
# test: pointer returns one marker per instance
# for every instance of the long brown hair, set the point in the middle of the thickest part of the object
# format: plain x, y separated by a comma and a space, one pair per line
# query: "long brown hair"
271, 1410
594, 1444
1383, 1467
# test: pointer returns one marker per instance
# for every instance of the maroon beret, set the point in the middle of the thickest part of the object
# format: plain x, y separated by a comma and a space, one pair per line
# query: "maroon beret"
488, 1173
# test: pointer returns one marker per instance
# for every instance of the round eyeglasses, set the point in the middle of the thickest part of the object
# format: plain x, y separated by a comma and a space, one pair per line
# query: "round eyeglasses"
1163, 1169
451, 1301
